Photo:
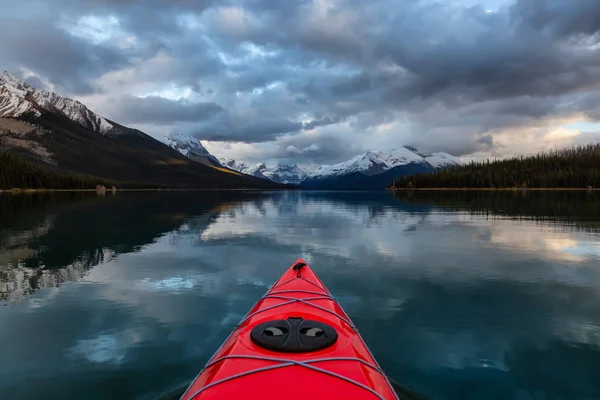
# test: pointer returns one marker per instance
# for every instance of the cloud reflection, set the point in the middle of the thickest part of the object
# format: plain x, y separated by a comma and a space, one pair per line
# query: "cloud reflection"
449, 300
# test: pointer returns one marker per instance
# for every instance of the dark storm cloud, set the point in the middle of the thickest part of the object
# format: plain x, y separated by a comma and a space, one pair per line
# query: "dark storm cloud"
66, 61
258, 67
322, 121
527, 107
436, 53
482, 56
490, 57
37, 38
324, 148
141, 16
487, 140
261, 130
591, 106
161, 111
229, 128
558, 17
357, 84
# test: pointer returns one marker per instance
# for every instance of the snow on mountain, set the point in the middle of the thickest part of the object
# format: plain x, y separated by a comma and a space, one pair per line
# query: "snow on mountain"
13, 93
232, 164
257, 170
443, 160
286, 174
190, 147
403, 156
369, 163
374, 163
252, 170
18, 98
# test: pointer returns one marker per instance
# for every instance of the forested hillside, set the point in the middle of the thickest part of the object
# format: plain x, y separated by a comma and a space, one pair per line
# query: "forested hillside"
17, 173
64, 135
577, 167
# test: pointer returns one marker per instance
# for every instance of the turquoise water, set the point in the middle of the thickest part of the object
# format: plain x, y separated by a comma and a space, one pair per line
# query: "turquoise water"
460, 296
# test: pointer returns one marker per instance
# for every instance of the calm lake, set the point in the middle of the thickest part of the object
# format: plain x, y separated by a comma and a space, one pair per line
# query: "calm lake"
459, 295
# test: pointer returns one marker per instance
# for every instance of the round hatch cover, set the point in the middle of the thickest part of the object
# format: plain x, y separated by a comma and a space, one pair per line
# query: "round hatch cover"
293, 335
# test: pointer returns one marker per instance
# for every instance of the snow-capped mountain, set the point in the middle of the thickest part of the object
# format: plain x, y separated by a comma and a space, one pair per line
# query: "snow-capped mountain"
190, 147
443, 160
377, 170
257, 170
252, 170
286, 174
375, 163
51, 130
19, 99
369, 164
370, 170
234, 165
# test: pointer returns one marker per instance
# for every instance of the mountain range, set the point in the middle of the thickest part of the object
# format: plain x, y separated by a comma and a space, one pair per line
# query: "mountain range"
64, 136
367, 171
377, 170
191, 148
281, 173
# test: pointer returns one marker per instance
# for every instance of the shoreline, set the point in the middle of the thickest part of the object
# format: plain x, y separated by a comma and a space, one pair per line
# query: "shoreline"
496, 189
26, 191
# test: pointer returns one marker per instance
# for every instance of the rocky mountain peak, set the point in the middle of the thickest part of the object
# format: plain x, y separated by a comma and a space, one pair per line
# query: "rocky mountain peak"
18, 99
190, 147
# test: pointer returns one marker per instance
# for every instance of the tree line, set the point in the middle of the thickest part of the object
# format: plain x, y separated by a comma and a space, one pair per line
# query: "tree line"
577, 167
578, 209
18, 173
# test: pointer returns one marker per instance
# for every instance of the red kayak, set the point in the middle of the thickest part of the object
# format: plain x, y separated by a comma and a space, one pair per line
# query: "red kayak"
295, 343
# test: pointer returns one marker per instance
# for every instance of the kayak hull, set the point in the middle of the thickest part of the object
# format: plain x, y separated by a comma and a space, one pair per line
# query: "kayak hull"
243, 368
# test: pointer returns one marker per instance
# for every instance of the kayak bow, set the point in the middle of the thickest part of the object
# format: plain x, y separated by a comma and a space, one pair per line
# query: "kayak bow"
295, 343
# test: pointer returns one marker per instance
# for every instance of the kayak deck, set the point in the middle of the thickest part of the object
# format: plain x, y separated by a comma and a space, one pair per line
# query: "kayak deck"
244, 368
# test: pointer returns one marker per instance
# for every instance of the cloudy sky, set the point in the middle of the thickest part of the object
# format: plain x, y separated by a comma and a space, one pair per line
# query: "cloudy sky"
318, 81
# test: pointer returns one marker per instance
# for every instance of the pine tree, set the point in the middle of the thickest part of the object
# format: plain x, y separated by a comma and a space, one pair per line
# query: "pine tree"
577, 167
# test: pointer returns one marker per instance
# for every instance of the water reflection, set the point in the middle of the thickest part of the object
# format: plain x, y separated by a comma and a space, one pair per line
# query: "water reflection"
576, 209
484, 298
46, 240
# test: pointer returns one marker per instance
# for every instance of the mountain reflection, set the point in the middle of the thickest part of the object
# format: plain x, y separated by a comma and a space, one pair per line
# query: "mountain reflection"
578, 209
341, 224
480, 295
48, 239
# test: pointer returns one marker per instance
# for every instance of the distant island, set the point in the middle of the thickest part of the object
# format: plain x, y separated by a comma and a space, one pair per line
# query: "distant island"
574, 168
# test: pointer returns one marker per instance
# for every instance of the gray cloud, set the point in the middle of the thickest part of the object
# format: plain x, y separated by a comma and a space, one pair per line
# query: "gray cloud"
590, 105
558, 18
487, 140
479, 50
253, 131
321, 121
440, 75
158, 110
68, 62
323, 148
